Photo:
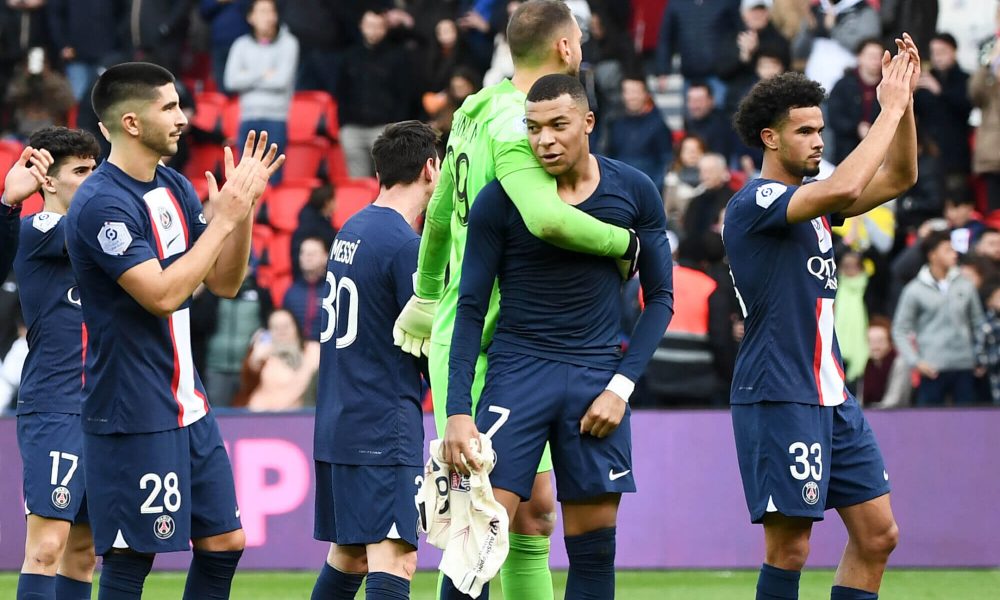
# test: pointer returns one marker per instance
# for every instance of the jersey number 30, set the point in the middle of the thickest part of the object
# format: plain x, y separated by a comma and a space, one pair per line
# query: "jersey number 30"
333, 307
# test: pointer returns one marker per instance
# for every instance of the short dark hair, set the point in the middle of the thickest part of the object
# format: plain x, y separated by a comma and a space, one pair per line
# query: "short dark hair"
702, 84
640, 77
960, 200
401, 151
63, 143
555, 85
867, 41
768, 103
945, 37
253, 3
533, 26
315, 238
124, 82
934, 239
320, 195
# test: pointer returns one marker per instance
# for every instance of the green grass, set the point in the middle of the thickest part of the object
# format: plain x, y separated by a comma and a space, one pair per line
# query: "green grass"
632, 585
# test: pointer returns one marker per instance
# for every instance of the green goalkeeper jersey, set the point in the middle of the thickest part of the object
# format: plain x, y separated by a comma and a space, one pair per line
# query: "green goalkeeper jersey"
489, 141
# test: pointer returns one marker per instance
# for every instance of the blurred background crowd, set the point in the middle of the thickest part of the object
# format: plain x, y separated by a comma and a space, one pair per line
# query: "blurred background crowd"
918, 298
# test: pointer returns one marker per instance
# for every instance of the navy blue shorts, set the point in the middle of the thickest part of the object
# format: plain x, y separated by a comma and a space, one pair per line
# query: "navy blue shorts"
528, 401
802, 459
154, 492
51, 446
366, 504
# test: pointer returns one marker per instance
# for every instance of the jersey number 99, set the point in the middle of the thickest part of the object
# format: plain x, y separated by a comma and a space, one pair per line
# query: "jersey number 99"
332, 306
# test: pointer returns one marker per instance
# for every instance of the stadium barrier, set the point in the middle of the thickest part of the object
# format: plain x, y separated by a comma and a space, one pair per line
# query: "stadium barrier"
689, 512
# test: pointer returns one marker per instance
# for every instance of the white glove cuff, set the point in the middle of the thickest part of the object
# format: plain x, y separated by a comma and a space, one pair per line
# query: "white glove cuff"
622, 386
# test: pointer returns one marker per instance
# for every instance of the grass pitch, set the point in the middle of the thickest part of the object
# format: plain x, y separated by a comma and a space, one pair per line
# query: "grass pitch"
631, 585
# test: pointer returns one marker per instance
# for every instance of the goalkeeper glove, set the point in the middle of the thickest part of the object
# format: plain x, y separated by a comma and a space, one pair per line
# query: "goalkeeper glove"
412, 330
628, 264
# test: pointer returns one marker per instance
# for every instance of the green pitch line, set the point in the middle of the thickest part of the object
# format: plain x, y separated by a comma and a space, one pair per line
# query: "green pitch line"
633, 585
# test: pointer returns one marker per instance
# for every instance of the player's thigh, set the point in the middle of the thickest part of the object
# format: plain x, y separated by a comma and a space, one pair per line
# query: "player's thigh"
45, 538
784, 455
348, 559
857, 468
871, 524
589, 467
593, 514
140, 498
437, 365
537, 515
358, 505
51, 447
518, 404
214, 510
392, 556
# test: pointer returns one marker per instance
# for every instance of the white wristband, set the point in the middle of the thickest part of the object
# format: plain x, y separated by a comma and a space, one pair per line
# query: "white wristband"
622, 386
3, 200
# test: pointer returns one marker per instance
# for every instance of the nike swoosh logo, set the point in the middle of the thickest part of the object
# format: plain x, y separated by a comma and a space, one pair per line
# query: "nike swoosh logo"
613, 476
172, 240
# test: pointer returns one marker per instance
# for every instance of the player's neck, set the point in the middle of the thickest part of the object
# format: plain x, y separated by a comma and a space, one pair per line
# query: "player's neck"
135, 159
525, 77
773, 169
577, 184
404, 199
53, 205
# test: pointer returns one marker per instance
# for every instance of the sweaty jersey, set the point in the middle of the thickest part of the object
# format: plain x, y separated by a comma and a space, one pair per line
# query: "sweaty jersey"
50, 303
786, 280
488, 140
139, 372
557, 304
368, 406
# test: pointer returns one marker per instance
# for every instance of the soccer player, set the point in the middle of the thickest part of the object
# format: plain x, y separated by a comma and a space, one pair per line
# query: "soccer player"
488, 141
803, 444
48, 401
158, 478
369, 428
24, 178
556, 371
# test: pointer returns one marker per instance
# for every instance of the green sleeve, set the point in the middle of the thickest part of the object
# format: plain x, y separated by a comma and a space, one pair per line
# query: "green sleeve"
533, 192
435, 243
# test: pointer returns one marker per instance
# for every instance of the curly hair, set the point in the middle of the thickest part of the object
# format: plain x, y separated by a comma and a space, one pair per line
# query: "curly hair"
768, 103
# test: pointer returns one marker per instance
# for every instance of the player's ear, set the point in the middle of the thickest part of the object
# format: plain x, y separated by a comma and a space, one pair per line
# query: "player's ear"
431, 169
589, 121
48, 185
769, 137
130, 123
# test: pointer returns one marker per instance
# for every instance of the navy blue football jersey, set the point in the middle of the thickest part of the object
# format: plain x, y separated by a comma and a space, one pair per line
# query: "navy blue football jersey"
368, 408
786, 281
50, 303
139, 372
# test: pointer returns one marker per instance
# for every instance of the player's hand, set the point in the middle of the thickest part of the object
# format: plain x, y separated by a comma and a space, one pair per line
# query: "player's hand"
27, 175
245, 183
628, 265
604, 415
412, 330
459, 431
906, 45
927, 370
894, 90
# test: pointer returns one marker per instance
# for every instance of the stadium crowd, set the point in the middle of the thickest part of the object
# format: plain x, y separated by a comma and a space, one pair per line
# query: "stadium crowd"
918, 281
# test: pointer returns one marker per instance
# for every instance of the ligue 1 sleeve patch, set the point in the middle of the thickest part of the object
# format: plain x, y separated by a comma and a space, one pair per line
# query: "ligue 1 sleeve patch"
768, 193
201, 218
114, 238
45, 221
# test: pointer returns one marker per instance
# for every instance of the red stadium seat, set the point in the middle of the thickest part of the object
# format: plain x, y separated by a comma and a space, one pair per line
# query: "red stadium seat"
304, 160
205, 157
352, 196
312, 115
284, 204
260, 238
208, 111
231, 120
336, 164
280, 285
10, 151
279, 253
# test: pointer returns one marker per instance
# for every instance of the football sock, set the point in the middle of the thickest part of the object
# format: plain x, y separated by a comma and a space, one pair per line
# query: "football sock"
72, 589
211, 575
35, 587
122, 575
525, 574
591, 565
449, 592
333, 584
386, 586
839, 592
777, 584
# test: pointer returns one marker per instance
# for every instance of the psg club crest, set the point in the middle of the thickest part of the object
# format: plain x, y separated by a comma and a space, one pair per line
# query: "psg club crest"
166, 219
810, 492
60, 497
163, 527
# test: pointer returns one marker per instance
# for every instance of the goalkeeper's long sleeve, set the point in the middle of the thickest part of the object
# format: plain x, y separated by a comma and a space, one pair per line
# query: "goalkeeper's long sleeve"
435, 242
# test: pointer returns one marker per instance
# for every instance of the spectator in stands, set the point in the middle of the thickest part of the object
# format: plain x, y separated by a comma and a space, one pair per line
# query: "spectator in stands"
697, 31
38, 95
447, 52
227, 21
280, 367
302, 299
608, 54
374, 90
988, 340
851, 316
158, 30
726, 323
935, 323
235, 320
261, 69
756, 35
988, 245
641, 137
853, 105
22, 27
942, 107
886, 382
846, 22
72, 24
12, 365
315, 221
707, 122
984, 90
766, 64
917, 17
703, 211
324, 30
684, 178
441, 107
501, 65
925, 200
964, 222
